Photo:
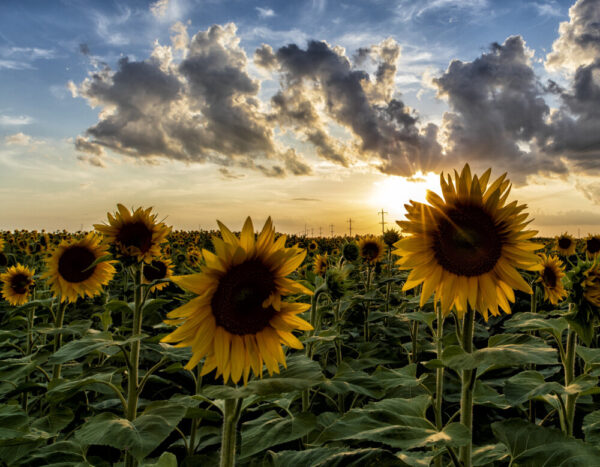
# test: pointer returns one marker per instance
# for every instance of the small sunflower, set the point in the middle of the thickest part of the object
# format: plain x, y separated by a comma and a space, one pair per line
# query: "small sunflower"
320, 264
134, 236
591, 285
70, 272
335, 252
466, 246
17, 281
551, 278
350, 251
238, 320
391, 236
565, 245
160, 268
1, 244
313, 246
592, 246
371, 248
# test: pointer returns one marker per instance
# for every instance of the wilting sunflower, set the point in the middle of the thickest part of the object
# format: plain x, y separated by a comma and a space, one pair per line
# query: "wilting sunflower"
551, 278
371, 249
565, 245
320, 264
134, 236
592, 246
238, 319
466, 247
160, 268
70, 272
17, 283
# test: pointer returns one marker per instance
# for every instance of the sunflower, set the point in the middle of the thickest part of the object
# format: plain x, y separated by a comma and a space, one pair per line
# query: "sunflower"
551, 278
592, 246
371, 249
350, 251
466, 247
238, 319
313, 246
591, 285
320, 264
18, 281
1, 244
134, 236
565, 245
160, 268
391, 236
70, 272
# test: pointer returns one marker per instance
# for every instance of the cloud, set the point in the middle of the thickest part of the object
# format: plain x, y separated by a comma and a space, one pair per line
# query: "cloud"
578, 43
590, 190
159, 8
18, 139
408, 10
202, 109
92, 160
22, 58
497, 112
84, 49
84, 145
265, 12
568, 218
380, 126
15, 120
550, 8
228, 175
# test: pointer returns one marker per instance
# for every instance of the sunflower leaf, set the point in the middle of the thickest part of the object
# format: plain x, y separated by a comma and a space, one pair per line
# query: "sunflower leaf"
332, 457
591, 427
531, 445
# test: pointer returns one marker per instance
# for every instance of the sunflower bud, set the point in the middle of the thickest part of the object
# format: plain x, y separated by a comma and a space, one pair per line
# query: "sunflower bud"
336, 280
350, 251
391, 236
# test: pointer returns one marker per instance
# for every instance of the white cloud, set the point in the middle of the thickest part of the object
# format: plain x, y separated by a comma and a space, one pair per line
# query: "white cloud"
18, 139
159, 8
265, 12
10, 120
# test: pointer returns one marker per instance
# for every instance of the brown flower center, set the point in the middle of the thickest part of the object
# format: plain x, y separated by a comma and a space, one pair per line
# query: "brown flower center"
73, 264
135, 234
155, 270
237, 302
564, 243
20, 283
593, 245
549, 277
370, 251
467, 241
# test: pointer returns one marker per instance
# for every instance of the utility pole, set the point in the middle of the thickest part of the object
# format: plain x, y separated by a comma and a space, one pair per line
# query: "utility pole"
383, 213
305, 230
320, 231
331, 227
350, 223
312, 232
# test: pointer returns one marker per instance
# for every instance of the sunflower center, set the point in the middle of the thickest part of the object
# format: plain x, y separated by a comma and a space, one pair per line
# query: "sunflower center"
593, 245
467, 241
564, 243
135, 234
20, 283
370, 251
237, 302
549, 277
155, 270
74, 263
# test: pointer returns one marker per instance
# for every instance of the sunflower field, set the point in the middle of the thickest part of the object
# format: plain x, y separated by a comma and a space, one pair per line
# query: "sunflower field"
459, 339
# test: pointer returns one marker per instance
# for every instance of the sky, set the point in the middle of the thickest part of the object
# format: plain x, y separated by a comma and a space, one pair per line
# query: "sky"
312, 112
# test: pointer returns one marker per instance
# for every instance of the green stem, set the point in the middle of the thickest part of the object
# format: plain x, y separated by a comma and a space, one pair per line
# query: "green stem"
367, 329
29, 347
414, 337
466, 396
195, 420
439, 377
338, 350
569, 367
314, 310
58, 324
134, 354
231, 415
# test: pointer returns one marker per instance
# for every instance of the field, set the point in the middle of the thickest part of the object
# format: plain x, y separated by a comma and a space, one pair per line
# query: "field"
358, 368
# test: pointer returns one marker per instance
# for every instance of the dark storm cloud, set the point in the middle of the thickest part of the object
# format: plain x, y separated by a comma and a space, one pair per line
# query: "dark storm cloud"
382, 126
497, 102
203, 109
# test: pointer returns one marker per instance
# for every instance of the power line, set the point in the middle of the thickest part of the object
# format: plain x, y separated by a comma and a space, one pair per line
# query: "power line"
383, 213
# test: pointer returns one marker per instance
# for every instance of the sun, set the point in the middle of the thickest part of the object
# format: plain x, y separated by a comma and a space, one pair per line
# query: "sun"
392, 192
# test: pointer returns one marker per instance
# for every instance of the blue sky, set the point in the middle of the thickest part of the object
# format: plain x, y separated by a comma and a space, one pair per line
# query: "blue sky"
60, 167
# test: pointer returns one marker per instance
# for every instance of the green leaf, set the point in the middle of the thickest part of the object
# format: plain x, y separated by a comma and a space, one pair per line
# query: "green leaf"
589, 356
535, 322
484, 394
88, 344
13, 422
531, 445
166, 459
489, 454
271, 429
140, 437
120, 306
301, 373
348, 380
399, 423
331, 457
64, 389
591, 427
58, 419
528, 385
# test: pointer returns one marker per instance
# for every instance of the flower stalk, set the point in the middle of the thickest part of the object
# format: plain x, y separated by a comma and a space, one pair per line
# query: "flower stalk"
58, 324
467, 385
231, 415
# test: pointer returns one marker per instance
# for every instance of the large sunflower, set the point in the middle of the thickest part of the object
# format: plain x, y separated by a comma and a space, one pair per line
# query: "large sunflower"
371, 249
238, 319
70, 272
551, 278
17, 283
466, 246
134, 235
592, 246
565, 244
